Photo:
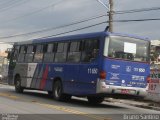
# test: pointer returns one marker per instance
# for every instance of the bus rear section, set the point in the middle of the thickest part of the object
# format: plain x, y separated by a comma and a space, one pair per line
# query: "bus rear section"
126, 67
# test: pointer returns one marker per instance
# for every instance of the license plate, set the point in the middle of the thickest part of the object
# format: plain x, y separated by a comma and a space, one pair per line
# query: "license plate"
124, 91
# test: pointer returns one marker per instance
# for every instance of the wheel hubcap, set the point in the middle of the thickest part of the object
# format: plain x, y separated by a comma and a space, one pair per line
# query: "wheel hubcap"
57, 91
17, 84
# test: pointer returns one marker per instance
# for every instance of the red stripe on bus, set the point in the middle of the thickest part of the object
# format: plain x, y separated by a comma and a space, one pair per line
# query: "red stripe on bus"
44, 78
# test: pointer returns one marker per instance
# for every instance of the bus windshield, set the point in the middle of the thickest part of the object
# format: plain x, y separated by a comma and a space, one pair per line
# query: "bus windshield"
127, 48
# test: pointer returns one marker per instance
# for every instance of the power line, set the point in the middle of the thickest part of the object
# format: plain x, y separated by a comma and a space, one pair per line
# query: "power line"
68, 31
34, 12
3, 2
74, 30
137, 20
7, 3
105, 5
12, 5
77, 22
137, 10
93, 26
54, 28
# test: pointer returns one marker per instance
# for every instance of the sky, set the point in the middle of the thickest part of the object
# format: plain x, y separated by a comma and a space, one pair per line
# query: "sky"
27, 16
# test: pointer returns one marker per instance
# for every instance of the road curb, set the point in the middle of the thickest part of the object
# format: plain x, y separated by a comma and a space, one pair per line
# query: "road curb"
3, 83
147, 105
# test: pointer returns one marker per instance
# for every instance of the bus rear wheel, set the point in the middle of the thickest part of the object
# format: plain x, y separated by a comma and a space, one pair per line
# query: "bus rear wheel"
95, 100
18, 87
58, 92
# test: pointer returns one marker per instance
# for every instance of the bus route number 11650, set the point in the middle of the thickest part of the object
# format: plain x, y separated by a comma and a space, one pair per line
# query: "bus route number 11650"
92, 70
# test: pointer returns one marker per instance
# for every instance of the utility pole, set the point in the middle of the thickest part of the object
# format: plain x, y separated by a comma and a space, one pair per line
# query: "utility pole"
111, 15
110, 12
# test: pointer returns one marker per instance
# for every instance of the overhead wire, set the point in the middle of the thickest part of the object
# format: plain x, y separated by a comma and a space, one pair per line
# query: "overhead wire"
81, 21
105, 5
62, 33
73, 30
7, 3
3, 3
34, 12
137, 20
137, 10
77, 22
93, 26
54, 28
12, 5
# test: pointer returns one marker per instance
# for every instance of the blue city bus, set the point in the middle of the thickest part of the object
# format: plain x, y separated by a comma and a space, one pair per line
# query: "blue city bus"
91, 65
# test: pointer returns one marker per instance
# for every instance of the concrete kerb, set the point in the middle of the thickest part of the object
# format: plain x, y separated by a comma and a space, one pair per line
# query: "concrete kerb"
3, 83
147, 104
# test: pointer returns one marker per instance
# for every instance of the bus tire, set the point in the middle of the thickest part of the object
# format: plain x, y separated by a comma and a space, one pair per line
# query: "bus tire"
18, 87
58, 92
95, 100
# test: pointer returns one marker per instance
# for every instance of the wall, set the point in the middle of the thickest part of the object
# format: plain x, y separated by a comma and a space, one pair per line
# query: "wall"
154, 85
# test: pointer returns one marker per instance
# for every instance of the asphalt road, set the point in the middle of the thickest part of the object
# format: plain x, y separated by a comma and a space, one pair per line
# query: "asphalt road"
35, 105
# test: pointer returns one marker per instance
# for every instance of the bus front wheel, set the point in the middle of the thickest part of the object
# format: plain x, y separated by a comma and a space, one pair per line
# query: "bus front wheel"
95, 100
18, 87
58, 92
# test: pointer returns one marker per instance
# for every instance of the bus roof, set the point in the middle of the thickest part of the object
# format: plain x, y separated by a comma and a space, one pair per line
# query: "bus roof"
78, 36
130, 36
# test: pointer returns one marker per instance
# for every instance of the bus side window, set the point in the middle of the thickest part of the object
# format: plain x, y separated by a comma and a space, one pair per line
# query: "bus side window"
38, 56
23, 50
74, 52
45, 47
16, 53
49, 52
90, 50
34, 49
29, 55
61, 53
